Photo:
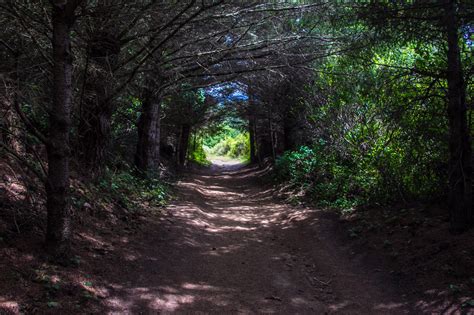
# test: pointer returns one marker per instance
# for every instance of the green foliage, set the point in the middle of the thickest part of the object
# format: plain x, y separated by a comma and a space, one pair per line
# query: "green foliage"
383, 129
220, 133
234, 147
298, 166
131, 191
316, 171
187, 107
379, 175
228, 141
197, 153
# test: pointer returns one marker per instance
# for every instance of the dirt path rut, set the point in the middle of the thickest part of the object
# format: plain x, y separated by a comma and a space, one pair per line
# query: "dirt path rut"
226, 246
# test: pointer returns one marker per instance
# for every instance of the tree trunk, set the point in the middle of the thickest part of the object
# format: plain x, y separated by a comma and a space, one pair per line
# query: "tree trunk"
94, 134
59, 215
253, 155
257, 144
96, 107
183, 144
460, 182
272, 139
10, 123
252, 127
147, 156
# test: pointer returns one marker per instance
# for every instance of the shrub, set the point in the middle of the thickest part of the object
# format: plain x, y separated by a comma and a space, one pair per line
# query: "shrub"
130, 191
198, 154
327, 179
297, 167
379, 175
237, 146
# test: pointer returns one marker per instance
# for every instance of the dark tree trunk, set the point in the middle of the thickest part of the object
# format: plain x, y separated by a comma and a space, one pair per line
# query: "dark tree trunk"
253, 155
460, 182
94, 135
272, 137
258, 147
183, 144
289, 141
147, 156
97, 108
10, 130
252, 127
59, 215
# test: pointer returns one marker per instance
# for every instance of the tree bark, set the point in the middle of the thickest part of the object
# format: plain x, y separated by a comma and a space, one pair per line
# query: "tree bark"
252, 127
58, 232
272, 136
147, 156
183, 144
257, 144
10, 123
253, 155
94, 136
97, 108
460, 172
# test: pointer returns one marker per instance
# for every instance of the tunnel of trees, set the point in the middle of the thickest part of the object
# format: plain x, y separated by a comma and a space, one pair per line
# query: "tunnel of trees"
358, 102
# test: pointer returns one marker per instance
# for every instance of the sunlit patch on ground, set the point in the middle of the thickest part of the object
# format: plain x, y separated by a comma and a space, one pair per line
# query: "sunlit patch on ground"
171, 302
9, 307
229, 163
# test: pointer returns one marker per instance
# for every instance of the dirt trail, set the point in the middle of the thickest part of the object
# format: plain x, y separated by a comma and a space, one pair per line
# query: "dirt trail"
226, 246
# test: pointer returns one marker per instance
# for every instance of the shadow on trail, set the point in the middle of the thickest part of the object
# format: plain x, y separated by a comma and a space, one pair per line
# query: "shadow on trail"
226, 246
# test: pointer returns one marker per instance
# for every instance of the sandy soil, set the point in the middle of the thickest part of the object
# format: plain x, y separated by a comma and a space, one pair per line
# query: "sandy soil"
226, 246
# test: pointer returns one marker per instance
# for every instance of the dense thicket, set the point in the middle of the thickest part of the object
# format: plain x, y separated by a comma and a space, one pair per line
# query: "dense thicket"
357, 103
388, 120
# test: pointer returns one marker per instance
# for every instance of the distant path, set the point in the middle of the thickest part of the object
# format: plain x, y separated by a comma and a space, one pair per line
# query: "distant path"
226, 246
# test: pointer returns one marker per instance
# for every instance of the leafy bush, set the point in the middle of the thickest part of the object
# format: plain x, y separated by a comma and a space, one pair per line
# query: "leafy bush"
346, 182
298, 167
131, 191
220, 133
198, 155
237, 146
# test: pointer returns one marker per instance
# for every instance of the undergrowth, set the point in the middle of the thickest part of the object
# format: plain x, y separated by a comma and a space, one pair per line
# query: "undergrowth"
123, 188
198, 155
133, 191
344, 183
234, 146
227, 142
